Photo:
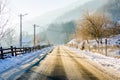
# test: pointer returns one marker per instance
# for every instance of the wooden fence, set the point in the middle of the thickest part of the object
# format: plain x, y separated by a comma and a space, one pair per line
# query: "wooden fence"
14, 51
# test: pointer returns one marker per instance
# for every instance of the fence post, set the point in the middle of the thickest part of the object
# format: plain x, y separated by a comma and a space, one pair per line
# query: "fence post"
15, 51
12, 51
20, 50
39, 47
31, 49
2, 55
34, 48
23, 50
106, 47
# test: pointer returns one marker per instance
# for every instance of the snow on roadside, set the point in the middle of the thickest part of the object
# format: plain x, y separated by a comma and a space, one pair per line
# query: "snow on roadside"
20, 59
108, 63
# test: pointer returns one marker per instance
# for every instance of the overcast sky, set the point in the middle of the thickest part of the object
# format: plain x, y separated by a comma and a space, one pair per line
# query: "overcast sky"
39, 7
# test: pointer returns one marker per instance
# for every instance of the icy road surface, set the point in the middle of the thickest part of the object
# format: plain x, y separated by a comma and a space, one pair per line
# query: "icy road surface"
63, 64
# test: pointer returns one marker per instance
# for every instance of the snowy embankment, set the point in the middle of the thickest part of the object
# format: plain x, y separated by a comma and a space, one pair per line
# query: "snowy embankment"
12, 65
107, 64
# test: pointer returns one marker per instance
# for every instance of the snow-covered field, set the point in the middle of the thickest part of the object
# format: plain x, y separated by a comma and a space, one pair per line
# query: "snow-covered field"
109, 64
115, 40
11, 65
112, 42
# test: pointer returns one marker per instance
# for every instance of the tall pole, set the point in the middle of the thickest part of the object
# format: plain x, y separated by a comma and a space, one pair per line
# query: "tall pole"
20, 41
34, 34
20, 30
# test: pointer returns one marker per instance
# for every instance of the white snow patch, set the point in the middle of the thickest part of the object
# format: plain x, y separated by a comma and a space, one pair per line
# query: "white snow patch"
72, 41
20, 59
112, 41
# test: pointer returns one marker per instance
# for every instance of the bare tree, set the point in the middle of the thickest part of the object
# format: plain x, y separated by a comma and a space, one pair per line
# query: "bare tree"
93, 26
116, 28
4, 18
9, 38
82, 32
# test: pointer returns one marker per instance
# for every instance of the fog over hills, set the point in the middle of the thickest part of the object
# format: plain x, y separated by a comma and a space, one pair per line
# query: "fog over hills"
59, 21
78, 11
67, 21
112, 7
68, 13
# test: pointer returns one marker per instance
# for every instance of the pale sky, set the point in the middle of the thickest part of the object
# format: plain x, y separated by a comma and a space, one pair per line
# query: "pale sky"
38, 7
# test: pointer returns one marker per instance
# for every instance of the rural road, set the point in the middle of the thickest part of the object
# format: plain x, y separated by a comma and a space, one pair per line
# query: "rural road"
62, 64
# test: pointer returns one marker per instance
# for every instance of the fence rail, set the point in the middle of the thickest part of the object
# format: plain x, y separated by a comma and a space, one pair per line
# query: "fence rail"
14, 51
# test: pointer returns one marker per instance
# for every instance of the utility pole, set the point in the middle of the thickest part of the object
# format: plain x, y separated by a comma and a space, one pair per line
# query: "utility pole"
20, 30
20, 41
35, 33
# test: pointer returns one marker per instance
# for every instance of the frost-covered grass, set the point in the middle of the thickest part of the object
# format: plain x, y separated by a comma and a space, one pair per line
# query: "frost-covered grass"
8, 63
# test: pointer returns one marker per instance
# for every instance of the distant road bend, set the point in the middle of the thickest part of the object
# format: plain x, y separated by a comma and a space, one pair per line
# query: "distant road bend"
62, 64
